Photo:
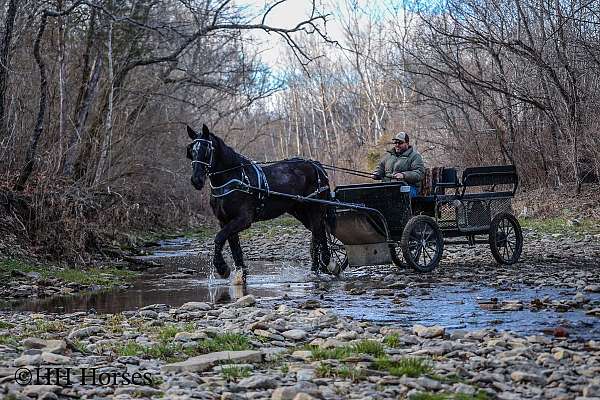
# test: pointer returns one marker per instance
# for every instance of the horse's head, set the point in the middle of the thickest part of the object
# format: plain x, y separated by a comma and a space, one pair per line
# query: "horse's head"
201, 152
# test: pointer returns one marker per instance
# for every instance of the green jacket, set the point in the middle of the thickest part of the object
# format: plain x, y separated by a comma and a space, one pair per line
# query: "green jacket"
410, 163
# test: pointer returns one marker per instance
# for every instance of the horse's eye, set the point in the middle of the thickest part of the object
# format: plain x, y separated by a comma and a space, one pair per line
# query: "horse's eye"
188, 153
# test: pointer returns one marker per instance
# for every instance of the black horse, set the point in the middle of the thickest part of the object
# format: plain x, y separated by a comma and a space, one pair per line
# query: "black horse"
242, 192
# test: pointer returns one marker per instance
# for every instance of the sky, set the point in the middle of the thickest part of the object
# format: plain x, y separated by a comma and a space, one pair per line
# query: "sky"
288, 15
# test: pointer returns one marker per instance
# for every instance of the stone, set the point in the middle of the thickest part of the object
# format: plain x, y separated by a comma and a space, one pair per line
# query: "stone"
428, 383
305, 374
527, 377
189, 336
294, 334
195, 306
273, 353
149, 314
138, 391
290, 392
594, 311
284, 393
593, 344
464, 389
39, 390
35, 359
245, 301
592, 390
50, 346
592, 288
268, 335
512, 306
56, 359
346, 335
439, 350
258, 382
85, 332
207, 361
561, 354
428, 332
303, 396
48, 396
556, 394
303, 355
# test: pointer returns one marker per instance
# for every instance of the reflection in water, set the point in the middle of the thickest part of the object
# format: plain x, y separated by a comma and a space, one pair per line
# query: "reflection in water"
452, 306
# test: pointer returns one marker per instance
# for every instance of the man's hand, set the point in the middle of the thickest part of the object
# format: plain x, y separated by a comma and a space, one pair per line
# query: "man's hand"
399, 176
376, 177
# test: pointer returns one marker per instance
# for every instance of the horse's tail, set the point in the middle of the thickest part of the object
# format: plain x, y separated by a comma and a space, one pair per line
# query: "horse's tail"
323, 179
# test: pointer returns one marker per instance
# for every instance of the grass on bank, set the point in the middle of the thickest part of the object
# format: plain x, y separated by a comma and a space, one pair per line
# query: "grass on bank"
480, 395
6, 325
324, 370
271, 229
168, 350
97, 276
561, 225
412, 367
369, 347
235, 372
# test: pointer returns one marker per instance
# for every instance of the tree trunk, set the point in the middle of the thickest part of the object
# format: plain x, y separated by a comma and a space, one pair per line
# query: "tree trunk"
62, 90
5, 64
80, 130
106, 140
39, 124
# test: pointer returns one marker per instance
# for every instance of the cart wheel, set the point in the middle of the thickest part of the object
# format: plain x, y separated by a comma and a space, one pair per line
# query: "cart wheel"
506, 238
422, 243
339, 259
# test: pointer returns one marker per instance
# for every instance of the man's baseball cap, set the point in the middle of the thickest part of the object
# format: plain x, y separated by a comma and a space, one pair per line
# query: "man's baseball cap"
400, 137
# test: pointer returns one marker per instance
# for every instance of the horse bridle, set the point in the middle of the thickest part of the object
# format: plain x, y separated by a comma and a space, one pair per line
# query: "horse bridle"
208, 154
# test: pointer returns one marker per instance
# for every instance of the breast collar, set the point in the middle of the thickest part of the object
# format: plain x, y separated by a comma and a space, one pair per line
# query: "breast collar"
243, 184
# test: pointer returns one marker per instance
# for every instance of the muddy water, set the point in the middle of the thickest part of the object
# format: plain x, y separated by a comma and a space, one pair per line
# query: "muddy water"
185, 276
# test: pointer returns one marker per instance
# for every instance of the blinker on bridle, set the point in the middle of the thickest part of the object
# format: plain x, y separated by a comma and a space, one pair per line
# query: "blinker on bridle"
207, 155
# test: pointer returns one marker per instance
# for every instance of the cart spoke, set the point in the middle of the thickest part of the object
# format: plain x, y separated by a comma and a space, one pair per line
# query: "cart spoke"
426, 253
505, 251
510, 246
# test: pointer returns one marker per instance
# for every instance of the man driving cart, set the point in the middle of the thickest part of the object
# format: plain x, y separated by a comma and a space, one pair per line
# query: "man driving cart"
402, 163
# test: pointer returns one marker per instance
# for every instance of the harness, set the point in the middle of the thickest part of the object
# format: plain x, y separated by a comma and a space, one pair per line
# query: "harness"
243, 183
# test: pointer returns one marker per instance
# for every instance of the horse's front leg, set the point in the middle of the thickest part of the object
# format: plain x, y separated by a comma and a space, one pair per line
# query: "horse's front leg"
236, 252
229, 229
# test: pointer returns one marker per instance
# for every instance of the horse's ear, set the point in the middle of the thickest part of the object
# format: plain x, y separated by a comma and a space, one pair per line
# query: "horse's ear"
205, 131
192, 133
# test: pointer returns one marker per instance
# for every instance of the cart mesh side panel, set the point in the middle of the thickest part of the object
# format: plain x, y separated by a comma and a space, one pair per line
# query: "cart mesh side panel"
446, 215
385, 197
477, 214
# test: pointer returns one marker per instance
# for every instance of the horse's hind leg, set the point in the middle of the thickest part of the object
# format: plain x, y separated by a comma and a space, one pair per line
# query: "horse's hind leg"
319, 250
321, 256
309, 222
229, 229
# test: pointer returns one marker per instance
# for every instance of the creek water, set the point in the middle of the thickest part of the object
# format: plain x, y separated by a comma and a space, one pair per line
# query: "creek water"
185, 275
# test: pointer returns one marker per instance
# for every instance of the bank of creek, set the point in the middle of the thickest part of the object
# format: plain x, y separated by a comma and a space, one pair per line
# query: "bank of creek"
470, 330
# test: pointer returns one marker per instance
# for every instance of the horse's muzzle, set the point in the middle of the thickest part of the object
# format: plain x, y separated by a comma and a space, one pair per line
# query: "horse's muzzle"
197, 183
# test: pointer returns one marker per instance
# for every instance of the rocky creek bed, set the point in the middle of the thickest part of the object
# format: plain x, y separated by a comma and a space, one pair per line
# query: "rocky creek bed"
299, 336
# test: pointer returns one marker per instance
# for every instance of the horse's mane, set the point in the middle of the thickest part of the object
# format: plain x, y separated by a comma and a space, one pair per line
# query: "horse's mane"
227, 153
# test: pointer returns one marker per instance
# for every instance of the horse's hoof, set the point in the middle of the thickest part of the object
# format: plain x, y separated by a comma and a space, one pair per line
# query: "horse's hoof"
223, 270
239, 278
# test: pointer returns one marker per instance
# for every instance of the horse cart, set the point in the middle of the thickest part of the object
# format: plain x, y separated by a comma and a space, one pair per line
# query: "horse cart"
379, 223
365, 224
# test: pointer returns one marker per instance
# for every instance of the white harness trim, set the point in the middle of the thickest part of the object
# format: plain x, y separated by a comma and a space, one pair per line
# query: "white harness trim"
209, 152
